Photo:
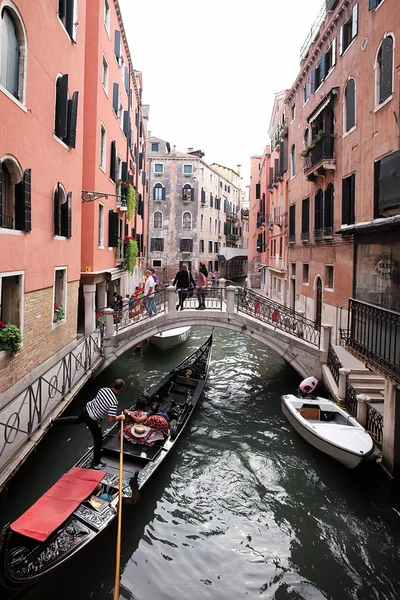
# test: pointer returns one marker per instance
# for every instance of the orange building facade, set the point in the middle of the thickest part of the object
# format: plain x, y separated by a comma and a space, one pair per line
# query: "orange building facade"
41, 148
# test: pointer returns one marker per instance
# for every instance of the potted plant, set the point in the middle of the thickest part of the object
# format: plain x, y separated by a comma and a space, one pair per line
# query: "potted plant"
59, 313
10, 337
100, 319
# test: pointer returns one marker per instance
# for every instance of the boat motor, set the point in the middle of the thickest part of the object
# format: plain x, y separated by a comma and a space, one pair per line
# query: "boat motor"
307, 386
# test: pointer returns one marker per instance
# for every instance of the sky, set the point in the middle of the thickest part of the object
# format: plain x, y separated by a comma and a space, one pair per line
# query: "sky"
211, 69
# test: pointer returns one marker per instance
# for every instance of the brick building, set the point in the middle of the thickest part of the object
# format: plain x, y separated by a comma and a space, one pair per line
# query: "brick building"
193, 209
41, 148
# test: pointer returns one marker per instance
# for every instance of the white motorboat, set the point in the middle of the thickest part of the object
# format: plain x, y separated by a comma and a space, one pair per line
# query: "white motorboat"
171, 338
328, 428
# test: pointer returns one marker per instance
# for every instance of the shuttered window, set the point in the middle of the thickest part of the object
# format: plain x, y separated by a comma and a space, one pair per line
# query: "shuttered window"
60, 127
373, 4
112, 229
113, 161
305, 217
66, 9
157, 244
384, 70
203, 196
348, 200
389, 183
258, 191
116, 101
350, 105
210, 247
117, 44
318, 210
62, 211
348, 31
292, 223
328, 208
72, 118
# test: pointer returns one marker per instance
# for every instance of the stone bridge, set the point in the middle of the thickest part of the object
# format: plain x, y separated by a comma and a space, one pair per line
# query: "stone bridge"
290, 334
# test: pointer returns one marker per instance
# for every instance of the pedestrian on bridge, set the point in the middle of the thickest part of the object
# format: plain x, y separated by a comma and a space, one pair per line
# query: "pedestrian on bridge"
105, 404
149, 289
184, 283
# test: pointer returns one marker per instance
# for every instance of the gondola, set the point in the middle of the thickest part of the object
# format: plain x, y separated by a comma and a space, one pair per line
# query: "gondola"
85, 501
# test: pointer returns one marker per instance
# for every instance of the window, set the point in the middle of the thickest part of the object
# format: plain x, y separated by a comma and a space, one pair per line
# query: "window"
215, 226
328, 211
107, 16
216, 247
201, 247
103, 140
315, 78
329, 277
156, 263
157, 245
201, 222
66, 113
292, 223
305, 220
116, 100
350, 105
374, 4
187, 169
280, 247
210, 226
328, 60
384, 71
318, 214
15, 196
117, 46
104, 75
60, 295
155, 147
62, 211
186, 220
293, 161
101, 226
348, 199
187, 193
307, 88
210, 247
11, 299
306, 272
219, 226
158, 192
348, 31
67, 16
13, 53
293, 112
186, 245
158, 168
157, 220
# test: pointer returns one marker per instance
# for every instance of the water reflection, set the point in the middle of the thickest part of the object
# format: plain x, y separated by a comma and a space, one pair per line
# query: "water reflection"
244, 507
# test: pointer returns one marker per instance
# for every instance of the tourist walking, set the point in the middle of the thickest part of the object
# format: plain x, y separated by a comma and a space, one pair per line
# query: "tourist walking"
105, 404
183, 281
149, 289
201, 289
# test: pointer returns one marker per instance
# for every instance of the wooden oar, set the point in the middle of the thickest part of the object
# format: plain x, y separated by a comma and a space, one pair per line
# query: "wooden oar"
118, 550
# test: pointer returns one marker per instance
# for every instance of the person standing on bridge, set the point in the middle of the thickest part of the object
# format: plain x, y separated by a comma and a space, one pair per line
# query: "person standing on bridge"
149, 288
105, 403
183, 281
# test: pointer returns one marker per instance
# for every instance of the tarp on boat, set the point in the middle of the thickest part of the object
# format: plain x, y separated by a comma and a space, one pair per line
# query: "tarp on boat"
57, 504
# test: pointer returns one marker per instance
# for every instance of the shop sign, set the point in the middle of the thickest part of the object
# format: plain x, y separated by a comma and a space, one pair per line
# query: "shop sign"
386, 265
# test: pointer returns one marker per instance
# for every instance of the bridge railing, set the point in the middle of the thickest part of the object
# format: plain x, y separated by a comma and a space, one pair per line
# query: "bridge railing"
279, 316
138, 309
24, 414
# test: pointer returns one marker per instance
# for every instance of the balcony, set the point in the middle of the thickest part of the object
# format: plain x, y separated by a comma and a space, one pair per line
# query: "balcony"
317, 234
260, 219
231, 216
320, 157
245, 212
232, 237
327, 232
374, 336
292, 238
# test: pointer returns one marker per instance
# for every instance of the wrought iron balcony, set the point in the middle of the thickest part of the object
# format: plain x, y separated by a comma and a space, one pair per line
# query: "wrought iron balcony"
321, 154
260, 219
292, 238
305, 237
374, 335
327, 232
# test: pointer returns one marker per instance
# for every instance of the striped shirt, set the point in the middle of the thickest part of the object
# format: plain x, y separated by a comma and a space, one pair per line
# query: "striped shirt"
105, 403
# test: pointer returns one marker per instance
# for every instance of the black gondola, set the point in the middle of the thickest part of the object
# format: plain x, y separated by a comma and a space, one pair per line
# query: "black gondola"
25, 558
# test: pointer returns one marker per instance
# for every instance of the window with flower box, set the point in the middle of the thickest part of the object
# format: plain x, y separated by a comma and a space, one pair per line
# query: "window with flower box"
59, 295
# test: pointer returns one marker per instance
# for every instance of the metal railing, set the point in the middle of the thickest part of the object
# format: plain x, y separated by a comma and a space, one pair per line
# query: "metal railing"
324, 148
279, 316
374, 334
138, 309
351, 399
24, 414
334, 363
375, 424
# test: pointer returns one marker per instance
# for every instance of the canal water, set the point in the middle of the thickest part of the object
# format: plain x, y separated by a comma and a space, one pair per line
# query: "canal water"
244, 508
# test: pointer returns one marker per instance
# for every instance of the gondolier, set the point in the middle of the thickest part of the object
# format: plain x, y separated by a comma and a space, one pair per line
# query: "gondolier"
105, 403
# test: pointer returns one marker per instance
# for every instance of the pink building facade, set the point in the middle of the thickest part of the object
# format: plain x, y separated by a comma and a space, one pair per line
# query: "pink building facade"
114, 156
41, 148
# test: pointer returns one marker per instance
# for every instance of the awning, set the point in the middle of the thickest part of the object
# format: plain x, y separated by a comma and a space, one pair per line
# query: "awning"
116, 273
322, 105
57, 504
370, 226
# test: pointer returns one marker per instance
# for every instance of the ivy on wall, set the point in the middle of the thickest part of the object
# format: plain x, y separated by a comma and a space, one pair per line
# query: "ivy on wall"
131, 196
131, 254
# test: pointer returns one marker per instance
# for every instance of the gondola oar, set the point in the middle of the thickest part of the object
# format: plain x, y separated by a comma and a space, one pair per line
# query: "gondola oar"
118, 550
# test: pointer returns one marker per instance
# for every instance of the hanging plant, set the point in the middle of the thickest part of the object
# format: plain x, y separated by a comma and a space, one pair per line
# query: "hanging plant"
10, 337
131, 254
131, 195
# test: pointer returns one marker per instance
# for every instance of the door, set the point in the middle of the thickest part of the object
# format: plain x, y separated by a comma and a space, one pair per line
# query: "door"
318, 303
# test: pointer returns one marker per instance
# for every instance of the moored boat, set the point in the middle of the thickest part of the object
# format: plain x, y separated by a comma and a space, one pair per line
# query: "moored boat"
171, 338
328, 428
85, 501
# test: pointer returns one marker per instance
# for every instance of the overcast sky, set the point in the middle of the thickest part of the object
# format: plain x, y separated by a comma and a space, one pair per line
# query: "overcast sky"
211, 69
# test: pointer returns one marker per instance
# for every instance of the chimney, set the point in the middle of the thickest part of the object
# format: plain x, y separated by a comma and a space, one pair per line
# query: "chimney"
173, 149
190, 149
238, 169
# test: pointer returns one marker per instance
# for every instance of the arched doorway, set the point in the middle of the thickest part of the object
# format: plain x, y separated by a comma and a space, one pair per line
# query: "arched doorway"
317, 302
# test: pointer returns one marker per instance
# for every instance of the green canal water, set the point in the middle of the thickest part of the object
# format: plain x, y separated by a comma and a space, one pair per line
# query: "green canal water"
244, 508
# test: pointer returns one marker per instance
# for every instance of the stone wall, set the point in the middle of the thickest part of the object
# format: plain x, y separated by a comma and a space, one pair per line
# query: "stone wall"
41, 337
